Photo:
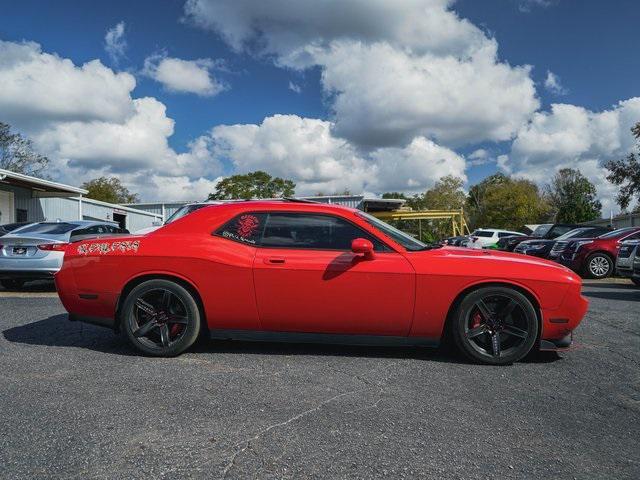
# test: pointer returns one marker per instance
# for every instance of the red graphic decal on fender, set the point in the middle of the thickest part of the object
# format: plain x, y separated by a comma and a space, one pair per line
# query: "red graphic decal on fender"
107, 247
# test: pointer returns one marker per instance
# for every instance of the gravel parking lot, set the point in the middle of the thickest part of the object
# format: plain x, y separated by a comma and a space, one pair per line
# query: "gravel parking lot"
78, 403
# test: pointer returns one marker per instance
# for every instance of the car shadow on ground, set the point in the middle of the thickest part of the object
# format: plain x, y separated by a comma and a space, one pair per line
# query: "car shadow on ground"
626, 295
615, 286
58, 331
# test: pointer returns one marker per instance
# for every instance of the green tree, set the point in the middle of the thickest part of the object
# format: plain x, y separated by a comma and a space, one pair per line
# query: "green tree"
625, 173
500, 201
573, 197
446, 194
109, 190
18, 155
253, 185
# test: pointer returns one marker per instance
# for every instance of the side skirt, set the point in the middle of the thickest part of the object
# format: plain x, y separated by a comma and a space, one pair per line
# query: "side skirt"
324, 338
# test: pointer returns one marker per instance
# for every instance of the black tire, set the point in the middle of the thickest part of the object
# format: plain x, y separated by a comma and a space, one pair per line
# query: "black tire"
598, 265
12, 284
161, 318
495, 325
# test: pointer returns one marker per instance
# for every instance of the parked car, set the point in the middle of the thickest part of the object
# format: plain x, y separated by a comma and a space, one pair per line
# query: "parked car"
546, 231
593, 257
181, 212
488, 238
636, 268
35, 251
457, 241
542, 248
627, 253
310, 272
10, 227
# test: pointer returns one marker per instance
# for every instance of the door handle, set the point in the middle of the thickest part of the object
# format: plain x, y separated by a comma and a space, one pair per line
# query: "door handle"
274, 260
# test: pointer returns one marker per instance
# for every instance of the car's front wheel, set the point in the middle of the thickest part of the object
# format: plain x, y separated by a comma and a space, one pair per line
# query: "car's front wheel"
160, 318
599, 265
495, 325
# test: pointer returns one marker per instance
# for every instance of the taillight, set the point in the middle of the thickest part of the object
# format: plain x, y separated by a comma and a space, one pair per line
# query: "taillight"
53, 247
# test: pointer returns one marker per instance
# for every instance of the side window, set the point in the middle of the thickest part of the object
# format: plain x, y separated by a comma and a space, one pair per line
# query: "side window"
315, 232
504, 234
635, 236
79, 232
245, 228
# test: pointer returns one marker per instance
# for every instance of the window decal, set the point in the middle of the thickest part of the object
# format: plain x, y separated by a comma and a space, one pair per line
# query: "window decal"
247, 226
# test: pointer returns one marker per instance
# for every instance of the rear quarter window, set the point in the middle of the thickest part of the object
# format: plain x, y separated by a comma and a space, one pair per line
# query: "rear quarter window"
245, 228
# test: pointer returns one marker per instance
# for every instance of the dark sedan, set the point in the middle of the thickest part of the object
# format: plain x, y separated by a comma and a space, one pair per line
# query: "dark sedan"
541, 248
546, 231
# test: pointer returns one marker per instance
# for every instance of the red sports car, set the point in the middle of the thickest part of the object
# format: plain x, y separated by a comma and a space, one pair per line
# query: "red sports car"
307, 272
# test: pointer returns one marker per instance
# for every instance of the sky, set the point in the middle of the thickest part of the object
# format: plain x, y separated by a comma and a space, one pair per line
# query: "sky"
363, 95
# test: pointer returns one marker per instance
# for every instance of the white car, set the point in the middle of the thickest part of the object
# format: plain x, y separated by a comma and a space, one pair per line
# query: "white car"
487, 237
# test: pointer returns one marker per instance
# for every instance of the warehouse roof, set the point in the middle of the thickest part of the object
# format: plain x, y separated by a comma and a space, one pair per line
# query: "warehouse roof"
40, 187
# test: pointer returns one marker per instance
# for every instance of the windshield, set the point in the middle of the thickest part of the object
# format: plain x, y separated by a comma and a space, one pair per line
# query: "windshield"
541, 230
57, 228
182, 211
482, 233
404, 239
576, 232
617, 233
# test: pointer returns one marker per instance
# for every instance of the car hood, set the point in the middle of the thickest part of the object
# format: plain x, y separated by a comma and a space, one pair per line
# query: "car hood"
497, 255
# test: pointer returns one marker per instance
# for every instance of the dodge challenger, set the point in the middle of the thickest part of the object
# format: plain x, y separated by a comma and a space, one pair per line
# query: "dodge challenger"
298, 271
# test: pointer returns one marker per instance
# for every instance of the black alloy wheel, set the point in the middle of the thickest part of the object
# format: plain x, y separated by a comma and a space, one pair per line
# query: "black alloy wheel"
161, 318
495, 325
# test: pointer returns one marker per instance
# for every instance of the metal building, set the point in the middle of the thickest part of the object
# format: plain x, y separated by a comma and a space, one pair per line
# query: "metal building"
166, 209
28, 199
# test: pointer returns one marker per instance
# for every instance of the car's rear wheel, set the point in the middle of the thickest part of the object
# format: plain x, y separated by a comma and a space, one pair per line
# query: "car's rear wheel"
495, 325
161, 318
12, 284
599, 265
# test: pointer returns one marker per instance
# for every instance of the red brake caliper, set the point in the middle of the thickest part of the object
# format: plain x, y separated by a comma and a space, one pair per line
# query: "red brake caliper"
175, 329
476, 320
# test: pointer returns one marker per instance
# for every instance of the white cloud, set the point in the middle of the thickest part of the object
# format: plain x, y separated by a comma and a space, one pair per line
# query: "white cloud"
294, 87
573, 137
40, 87
479, 157
85, 120
114, 42
305, 150
552, 84
526, 6
183, 76
392, 70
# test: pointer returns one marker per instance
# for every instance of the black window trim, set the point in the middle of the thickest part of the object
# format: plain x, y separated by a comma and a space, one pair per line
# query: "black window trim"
258, 244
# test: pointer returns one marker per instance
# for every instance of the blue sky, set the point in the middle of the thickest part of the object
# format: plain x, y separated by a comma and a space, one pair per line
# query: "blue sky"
587, 46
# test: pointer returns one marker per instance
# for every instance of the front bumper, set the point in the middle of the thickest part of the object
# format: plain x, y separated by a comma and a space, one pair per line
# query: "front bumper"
558, 345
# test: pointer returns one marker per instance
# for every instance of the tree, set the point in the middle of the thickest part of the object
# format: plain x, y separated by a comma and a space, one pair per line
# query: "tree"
446, 194
18, 155
625, 173
253, 185
573, 197
109, 190
500, 201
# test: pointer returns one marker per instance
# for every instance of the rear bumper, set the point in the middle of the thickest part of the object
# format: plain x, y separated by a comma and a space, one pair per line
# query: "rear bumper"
40, 274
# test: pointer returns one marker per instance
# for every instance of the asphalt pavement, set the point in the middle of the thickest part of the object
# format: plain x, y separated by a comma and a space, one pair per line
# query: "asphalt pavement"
77, 402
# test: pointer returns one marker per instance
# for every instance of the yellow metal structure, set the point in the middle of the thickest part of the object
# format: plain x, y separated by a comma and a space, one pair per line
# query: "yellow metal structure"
458, 224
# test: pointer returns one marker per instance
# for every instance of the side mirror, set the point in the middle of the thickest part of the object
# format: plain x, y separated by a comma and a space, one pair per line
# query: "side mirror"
364, 247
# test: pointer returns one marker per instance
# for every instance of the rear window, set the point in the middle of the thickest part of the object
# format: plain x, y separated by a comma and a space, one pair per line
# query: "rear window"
482, 233
245, 228
618, 233
57, 228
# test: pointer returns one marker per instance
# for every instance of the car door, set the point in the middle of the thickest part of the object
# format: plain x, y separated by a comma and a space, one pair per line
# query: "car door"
308, 280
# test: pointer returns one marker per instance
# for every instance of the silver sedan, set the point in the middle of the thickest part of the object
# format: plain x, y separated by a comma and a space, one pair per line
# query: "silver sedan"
35, 251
